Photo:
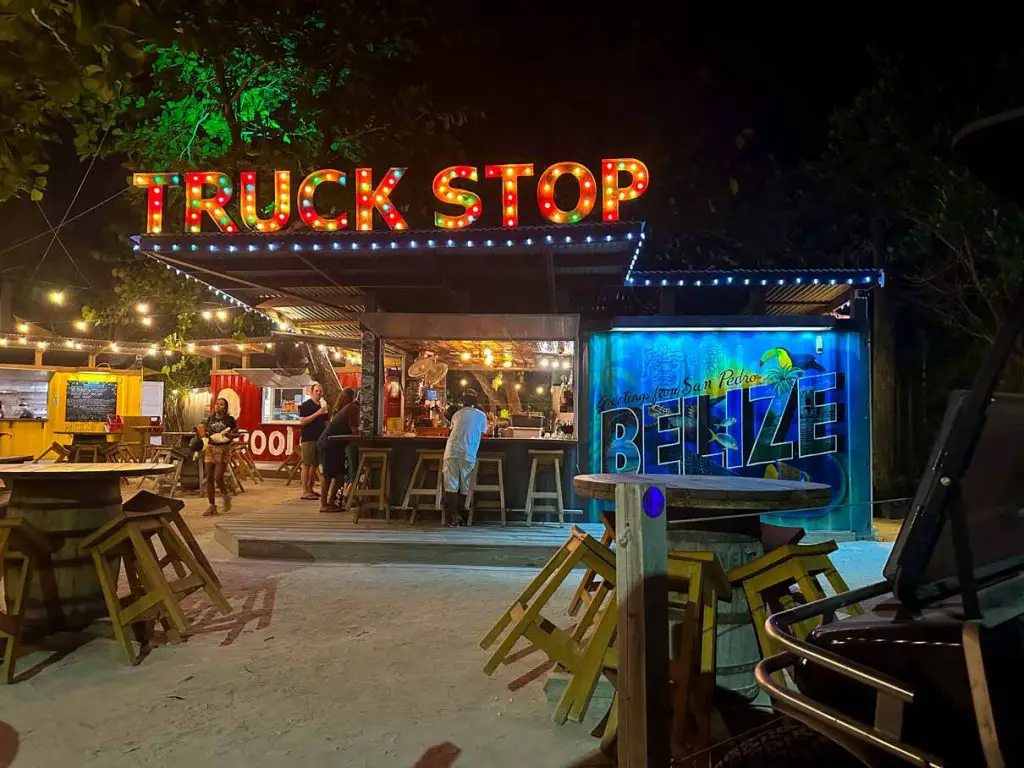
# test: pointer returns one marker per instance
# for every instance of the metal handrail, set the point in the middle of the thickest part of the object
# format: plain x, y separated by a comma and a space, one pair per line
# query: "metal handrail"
803, 707
778, 624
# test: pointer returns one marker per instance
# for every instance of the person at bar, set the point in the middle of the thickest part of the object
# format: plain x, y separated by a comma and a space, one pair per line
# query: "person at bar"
312, 421
333, 453
469, 424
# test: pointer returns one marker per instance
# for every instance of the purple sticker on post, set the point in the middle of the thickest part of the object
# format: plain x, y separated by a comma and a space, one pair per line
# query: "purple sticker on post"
653, 502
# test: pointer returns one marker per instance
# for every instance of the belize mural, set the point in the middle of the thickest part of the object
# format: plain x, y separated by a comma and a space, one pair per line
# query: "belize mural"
780, 404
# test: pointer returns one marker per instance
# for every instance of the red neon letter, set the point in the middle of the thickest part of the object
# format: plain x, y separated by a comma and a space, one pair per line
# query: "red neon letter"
509, 175
379, 198
307, 208
155, 183
195, 203
613, 193
282, 201
546, 192
446, 193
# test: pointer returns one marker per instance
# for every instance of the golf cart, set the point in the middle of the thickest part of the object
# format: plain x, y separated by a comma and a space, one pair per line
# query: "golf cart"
929, 674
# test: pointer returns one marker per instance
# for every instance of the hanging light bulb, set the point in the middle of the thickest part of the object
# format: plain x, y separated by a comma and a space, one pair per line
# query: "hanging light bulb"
22, 327
142, 307
540, 390
222, 314
57, 297
466, 355
207, 314
81, 325
147, 321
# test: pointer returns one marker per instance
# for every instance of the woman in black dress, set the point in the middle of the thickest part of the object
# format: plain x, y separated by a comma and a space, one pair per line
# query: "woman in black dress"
332, 452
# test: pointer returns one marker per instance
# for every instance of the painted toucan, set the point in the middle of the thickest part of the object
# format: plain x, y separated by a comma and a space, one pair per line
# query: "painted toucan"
804, 362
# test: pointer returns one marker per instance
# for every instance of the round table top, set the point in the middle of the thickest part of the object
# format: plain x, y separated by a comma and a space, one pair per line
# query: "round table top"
16, 459
712, 491
69, 470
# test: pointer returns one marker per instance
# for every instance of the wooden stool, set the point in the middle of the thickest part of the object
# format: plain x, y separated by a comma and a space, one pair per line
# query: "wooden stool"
589, 583
58, 450
118, 453
496, 460
418, 485
767, 583
166, 483
292, 464
541, 460
87, 452
19, 540
245, 460
363, 490
128, 541
524, 614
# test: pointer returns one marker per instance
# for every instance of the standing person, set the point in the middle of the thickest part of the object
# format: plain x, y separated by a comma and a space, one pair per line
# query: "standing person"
468, 425
313, 421
333, 452
220, 429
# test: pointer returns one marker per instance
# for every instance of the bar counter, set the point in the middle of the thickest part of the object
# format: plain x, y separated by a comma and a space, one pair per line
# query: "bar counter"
517, 469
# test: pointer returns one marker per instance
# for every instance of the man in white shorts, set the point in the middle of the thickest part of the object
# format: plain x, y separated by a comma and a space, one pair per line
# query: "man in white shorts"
468, 425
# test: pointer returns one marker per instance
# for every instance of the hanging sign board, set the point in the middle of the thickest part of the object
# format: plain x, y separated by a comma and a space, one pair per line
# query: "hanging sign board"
209, 193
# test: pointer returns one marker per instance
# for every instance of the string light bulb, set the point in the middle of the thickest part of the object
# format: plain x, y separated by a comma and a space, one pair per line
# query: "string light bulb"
81, 325
206, 314
468, 201
57, 297
146, 321
23, 327
222, 314
142, 307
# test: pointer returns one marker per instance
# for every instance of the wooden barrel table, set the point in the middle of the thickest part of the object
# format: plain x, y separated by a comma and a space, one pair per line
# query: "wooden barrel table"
706, 496
67, 502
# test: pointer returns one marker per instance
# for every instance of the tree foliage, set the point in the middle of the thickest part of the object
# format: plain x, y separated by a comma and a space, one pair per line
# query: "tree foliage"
62, 61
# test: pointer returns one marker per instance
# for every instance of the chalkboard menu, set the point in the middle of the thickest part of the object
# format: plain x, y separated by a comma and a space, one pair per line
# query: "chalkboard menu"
90, 400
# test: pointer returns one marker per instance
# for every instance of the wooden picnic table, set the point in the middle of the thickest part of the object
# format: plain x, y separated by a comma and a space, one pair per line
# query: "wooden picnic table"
642, 503
68, 502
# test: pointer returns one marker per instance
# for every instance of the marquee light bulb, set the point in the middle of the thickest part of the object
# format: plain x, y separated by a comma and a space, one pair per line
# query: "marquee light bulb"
155, 184
613, 194
196, 203
281, 211
307, 204
468, 201
509, 175
369, 199
585, 183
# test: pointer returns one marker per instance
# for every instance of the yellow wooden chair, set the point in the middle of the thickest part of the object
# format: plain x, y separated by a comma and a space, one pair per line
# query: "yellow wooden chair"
768, 581
129, 540
589, 583
524, 615
22, 542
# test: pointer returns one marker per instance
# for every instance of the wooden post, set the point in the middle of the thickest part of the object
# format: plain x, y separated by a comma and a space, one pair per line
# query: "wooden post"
215, 363
39, 358
642, 588
91, 363
246, 359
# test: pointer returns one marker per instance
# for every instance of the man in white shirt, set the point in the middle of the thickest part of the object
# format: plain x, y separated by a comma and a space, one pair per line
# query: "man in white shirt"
468, 425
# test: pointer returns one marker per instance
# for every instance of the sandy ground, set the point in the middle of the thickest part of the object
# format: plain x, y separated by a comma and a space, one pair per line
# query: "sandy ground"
319, 665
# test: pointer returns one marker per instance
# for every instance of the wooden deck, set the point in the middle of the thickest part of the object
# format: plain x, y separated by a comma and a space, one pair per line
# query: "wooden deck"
296, 531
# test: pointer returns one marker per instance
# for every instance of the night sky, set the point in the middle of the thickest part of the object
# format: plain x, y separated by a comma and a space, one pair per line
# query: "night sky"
666, 82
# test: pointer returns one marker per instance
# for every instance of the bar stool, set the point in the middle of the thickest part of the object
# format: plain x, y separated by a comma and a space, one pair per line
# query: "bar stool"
128, 541
426, 462
364, 491
60, 451
497, 461
540, 461
524, 615
87, 452
19, 540
589, 583
767, 583
291, 464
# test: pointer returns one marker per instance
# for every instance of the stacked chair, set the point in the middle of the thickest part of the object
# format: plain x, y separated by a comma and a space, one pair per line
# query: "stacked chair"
157, 579
697, 585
